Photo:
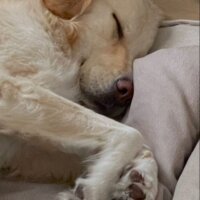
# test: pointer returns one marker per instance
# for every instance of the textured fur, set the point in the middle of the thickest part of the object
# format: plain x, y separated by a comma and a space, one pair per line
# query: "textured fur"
47, 65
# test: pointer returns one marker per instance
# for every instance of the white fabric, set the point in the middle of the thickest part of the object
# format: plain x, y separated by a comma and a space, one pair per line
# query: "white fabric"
177, 33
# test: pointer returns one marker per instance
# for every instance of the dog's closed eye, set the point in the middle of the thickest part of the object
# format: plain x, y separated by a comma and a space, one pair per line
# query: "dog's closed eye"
83, 62
119, 27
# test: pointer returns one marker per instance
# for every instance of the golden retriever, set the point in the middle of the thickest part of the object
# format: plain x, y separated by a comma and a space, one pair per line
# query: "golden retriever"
57, 59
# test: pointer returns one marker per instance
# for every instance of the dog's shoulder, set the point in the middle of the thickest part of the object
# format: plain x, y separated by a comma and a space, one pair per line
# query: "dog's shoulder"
33, 45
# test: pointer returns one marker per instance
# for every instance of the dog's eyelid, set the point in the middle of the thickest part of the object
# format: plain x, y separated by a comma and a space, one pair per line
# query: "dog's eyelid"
119, 27
83, 61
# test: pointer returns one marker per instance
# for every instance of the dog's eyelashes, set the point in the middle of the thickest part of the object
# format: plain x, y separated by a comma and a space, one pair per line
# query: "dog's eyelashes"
119, 27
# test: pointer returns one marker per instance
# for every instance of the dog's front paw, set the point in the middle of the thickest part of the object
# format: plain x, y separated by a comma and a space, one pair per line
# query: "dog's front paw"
138, 181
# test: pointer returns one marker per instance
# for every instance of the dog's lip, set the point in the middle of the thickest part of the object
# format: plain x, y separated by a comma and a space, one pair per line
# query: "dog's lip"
113, 111
103, 105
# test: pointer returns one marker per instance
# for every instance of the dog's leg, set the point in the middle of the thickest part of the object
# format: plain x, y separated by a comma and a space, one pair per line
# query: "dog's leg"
37, 114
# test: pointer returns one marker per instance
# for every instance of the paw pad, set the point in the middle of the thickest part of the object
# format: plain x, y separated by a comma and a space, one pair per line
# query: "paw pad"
136, 193
136, 177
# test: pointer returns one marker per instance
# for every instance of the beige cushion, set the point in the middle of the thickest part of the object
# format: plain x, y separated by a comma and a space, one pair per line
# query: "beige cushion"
179, 9
166, 108
188, 184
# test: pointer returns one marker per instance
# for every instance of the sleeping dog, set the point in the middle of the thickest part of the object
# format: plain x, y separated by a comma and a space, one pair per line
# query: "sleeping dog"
59, 60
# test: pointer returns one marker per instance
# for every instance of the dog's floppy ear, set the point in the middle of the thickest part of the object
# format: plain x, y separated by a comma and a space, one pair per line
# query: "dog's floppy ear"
67, 9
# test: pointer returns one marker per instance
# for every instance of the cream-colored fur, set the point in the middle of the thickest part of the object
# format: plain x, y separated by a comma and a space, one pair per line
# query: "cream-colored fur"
47, 62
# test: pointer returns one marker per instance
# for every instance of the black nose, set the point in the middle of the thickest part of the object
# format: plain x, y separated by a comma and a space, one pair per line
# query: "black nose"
124, 91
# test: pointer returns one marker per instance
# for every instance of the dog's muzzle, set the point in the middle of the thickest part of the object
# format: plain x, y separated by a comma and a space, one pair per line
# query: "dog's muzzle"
115, 101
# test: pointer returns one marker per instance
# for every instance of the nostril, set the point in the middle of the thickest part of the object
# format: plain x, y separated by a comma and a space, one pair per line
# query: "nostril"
124, 91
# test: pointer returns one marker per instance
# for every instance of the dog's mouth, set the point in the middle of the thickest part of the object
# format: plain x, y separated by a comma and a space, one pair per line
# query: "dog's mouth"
113, 102
113, 111
116, 112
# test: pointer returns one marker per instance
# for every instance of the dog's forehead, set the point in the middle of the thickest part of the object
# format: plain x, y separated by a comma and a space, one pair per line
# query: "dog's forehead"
131, 13
122, 7
125, 9
139, 20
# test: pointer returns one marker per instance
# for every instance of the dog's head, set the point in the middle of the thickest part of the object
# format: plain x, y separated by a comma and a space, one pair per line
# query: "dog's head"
108, 36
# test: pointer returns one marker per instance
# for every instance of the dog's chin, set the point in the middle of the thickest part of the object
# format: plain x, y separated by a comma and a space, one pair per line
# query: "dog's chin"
116, 112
